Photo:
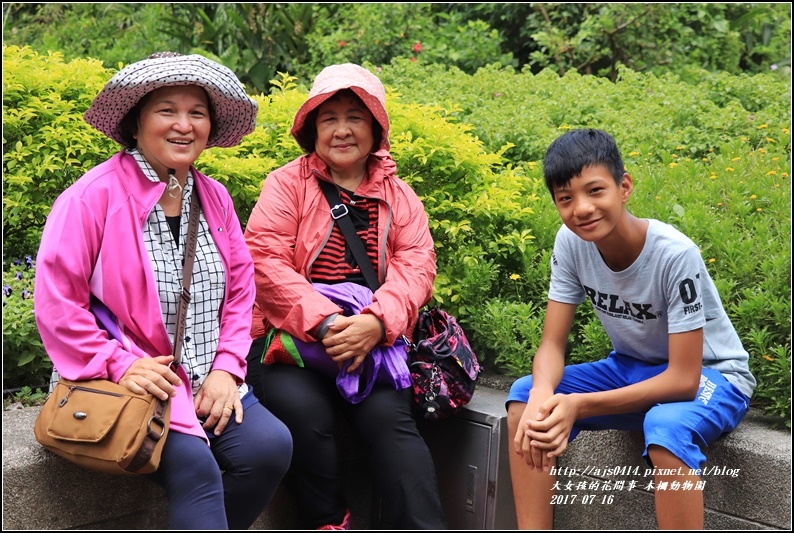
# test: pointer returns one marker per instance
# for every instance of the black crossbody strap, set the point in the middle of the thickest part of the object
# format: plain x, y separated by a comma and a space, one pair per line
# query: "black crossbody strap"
341, 214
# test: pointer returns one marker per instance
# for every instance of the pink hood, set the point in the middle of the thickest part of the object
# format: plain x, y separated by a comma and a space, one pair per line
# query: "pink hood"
346, 76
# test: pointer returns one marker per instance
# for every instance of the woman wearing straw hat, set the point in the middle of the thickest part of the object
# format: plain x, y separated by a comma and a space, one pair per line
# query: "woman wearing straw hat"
115, 238
344, 130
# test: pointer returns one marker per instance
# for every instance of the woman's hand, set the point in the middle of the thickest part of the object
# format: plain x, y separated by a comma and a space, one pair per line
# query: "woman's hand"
152, 375
217, 399
352, 337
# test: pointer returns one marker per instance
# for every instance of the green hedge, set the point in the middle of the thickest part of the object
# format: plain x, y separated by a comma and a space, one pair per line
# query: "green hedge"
713, 160
481, 211
642, 111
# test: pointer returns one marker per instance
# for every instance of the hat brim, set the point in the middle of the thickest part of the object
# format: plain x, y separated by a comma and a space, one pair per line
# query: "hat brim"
234, 111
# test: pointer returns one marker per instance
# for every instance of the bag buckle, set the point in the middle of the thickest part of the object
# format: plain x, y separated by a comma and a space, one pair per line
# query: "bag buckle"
338, 211
410, 345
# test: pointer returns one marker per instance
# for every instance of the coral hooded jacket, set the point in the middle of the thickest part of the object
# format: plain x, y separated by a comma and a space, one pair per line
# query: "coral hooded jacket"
291, 223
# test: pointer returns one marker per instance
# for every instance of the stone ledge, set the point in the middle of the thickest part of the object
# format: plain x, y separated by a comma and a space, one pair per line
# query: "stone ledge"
42, 491
758, 497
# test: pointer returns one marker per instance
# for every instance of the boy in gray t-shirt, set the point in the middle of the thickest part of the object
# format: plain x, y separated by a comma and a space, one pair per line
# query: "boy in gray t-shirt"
677, 371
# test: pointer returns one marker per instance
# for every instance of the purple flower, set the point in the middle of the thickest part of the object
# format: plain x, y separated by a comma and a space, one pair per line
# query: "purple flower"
26, 294
7, 290
18, 275
17, 262
28, 261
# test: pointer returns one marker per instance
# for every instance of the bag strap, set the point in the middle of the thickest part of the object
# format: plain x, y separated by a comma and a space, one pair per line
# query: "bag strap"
340, 214
187, 274
155, 430
157, 425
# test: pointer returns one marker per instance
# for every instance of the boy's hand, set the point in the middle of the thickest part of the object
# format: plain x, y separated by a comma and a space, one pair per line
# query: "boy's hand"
549, 431
521, 440
533, 455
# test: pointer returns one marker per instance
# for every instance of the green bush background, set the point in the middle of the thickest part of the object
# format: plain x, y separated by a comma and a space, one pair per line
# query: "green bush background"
257, 40
712, 158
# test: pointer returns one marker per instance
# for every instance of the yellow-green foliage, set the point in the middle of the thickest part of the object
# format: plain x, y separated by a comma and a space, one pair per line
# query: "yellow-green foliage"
46, 143
713, 159
480, 209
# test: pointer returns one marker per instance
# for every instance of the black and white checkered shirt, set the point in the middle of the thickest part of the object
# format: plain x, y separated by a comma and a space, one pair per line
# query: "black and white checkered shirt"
207, 286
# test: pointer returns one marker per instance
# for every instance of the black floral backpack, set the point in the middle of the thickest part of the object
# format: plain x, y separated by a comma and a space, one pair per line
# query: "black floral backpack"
444, 368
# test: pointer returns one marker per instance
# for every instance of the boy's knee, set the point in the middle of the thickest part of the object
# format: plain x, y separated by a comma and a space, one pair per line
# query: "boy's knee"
514, 412
673, 444
520, 388
660, 455
659, 419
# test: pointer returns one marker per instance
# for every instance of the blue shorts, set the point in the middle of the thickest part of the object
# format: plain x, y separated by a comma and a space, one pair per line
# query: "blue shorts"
684, 428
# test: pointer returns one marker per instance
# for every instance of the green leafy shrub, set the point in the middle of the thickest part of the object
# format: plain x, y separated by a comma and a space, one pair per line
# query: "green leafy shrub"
255, 40
46, 143
423, 35
595, 37
114, 33
467, 45
24, 359
27, 396
512, 330
642, 111
712, 160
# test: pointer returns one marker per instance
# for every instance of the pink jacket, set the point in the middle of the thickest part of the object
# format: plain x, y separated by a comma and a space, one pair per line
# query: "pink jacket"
93, 245
291, 223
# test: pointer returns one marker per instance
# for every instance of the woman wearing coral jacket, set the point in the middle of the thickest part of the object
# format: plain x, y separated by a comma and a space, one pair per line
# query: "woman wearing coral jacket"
114, 241
343, 128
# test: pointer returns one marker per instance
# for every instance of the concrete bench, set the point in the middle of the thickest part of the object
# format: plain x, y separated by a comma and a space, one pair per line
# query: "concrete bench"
42, 491
758, 497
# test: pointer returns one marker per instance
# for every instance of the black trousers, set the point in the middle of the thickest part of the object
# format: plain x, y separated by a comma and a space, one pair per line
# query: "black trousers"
308, 402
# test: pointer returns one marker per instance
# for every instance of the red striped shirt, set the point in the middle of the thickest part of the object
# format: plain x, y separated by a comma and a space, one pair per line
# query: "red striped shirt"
336, 264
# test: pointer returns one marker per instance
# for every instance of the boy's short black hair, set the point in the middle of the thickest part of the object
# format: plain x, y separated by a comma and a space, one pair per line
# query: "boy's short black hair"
576, 150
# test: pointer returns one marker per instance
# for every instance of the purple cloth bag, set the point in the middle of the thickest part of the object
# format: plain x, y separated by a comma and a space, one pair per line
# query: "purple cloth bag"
384, 364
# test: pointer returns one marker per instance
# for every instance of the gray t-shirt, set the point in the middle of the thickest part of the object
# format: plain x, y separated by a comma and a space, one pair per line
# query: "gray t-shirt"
666, 290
